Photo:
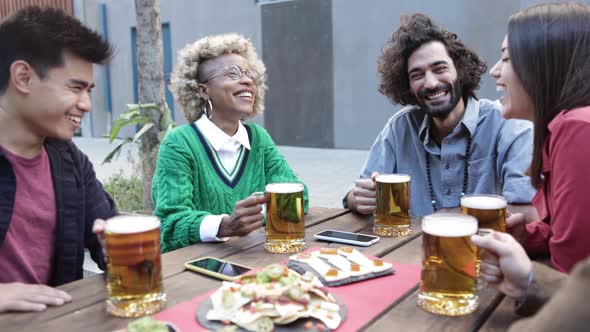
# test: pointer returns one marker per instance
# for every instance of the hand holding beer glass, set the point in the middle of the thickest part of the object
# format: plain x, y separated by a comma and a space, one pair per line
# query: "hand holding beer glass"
285, 224
490, 212
134, 269
448, 284
392, 212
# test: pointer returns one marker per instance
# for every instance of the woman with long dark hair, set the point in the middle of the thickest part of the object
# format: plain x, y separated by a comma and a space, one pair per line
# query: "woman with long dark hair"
545, 72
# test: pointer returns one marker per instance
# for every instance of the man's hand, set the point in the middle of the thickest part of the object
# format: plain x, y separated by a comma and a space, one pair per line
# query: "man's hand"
246, 217
504, 263
361, 199
26, 297
516, 226
98, 228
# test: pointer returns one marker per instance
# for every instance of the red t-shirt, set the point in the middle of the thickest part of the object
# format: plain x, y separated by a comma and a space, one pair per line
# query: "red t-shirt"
27, 252
564, 228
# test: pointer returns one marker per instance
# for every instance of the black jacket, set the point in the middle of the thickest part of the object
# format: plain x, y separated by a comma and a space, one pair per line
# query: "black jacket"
79, 200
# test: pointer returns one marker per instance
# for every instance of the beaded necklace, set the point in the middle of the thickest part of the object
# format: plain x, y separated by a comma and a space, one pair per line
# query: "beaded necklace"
465, 172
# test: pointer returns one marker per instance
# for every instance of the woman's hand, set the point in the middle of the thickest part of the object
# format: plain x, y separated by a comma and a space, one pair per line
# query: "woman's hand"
516, 226
247, 216
504, 263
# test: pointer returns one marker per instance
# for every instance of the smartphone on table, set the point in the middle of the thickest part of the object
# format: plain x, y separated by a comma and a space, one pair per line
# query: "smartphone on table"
347, 237
217, 268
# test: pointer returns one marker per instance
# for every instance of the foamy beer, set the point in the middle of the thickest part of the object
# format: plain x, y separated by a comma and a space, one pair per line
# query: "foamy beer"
285, 226
392, 212
489, 210
134, 269
448, 266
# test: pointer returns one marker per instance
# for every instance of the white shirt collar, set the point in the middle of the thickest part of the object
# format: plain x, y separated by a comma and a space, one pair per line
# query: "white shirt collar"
218, 138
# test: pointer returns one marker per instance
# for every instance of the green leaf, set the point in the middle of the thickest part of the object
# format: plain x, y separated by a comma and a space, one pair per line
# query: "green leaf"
148, 106
129, 114
166, 119
115, 151
144, 129
135, 119
132, 107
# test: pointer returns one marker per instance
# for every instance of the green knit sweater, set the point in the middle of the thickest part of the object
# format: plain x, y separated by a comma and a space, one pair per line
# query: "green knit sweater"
190, 182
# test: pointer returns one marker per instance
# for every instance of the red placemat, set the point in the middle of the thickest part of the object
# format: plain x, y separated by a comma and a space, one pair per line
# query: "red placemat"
379, 292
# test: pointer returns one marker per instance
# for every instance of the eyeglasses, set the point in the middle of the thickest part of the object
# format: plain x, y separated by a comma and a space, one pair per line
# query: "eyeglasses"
236, 73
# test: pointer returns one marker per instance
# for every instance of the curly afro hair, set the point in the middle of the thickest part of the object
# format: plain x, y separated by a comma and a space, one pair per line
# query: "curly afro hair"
185, 78
414, 31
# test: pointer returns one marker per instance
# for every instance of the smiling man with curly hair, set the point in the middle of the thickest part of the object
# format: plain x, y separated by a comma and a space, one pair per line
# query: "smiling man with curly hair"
448, 141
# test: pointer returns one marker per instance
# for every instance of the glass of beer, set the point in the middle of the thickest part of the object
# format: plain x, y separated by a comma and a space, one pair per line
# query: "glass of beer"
392, 211
489, 210
134, 269
285, 225
448, 284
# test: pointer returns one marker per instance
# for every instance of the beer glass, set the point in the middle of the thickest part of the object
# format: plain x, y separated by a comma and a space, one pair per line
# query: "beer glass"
392, 211
134, 270
285, 226
490, 212
448, 284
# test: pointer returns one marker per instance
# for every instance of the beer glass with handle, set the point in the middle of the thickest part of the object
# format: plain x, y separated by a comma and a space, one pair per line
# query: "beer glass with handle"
490, 212
134, 269
285, 223
392, 211
448, 284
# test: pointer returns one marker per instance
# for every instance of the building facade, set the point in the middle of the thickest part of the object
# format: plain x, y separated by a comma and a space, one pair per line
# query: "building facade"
321, 57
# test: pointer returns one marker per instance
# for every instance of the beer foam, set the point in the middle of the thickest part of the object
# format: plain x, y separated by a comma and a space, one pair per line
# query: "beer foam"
449, 225
284, 187
128, 224
483, 202
392, 178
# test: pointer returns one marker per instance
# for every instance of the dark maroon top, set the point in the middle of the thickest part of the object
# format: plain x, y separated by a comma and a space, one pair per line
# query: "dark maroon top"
27, 251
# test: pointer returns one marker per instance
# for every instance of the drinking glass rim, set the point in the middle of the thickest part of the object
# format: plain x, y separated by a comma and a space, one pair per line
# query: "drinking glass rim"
502, 198
298, 187
154, 224
401, 175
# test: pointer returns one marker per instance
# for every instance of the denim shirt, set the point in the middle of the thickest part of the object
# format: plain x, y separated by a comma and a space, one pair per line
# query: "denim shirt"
501, 151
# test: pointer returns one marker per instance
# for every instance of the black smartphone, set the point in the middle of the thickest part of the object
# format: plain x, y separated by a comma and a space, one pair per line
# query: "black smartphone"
217, 268
347, 237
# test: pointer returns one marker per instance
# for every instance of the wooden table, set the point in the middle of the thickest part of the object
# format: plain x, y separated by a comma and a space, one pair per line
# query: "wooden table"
87, 310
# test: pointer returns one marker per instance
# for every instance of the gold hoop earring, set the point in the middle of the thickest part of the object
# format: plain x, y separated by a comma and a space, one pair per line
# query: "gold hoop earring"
209, 114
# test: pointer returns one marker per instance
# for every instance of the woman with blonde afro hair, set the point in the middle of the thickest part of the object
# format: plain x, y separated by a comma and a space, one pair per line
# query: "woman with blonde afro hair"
191, 62
208, 169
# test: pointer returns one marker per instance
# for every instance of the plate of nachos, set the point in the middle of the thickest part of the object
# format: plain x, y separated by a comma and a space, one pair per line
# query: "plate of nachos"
276, 298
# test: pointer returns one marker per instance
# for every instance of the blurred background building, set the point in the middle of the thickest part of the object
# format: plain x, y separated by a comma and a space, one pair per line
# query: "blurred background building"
321, 56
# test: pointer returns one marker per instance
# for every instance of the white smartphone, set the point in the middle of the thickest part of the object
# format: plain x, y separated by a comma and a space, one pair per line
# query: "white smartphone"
347, 237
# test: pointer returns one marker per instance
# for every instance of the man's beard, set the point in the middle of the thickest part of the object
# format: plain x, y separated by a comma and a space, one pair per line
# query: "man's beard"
441, 111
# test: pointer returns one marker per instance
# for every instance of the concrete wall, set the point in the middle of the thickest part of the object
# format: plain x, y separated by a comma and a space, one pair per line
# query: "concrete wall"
297, 44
